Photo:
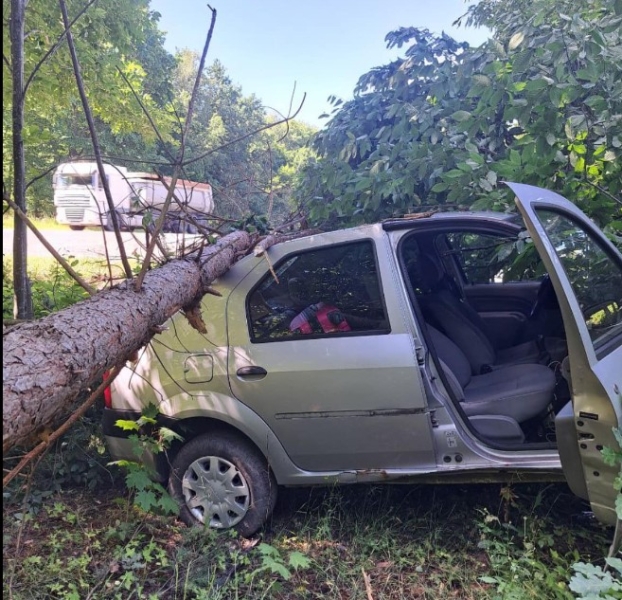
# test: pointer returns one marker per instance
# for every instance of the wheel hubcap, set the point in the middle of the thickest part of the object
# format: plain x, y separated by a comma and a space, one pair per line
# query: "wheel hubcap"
216, 492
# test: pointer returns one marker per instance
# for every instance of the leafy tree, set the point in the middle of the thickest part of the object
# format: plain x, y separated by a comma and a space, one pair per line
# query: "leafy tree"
116, 40
251, 168
539, 103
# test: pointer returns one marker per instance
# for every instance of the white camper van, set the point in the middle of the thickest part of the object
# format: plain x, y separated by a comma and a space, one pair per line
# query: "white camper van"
80, 200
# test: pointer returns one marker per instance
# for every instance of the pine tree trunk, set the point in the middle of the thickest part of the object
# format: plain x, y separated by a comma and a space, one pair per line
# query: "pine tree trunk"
48, 362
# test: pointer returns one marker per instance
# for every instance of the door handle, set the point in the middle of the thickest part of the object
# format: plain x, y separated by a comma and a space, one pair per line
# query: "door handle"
251, 372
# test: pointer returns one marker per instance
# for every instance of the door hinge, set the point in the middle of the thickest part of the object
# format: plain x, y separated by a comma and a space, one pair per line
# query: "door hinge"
420, 354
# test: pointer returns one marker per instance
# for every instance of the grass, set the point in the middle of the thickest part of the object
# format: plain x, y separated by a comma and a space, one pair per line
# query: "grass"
41, 223
52, 288
380, 542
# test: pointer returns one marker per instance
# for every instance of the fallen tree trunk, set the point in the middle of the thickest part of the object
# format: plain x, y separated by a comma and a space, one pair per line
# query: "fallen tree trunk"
48, 362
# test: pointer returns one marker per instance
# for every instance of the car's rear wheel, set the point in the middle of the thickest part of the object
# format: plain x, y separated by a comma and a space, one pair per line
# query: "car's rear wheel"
221, 481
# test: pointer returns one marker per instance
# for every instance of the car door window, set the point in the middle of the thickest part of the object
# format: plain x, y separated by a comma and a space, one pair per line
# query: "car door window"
489, 258
595, 277
326, 292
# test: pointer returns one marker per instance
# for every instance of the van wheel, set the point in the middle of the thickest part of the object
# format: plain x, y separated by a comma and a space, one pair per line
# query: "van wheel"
221, 481
76, 227
109, 226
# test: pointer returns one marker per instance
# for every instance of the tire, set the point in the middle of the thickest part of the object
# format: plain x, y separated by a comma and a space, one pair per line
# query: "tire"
77, 227
220, 480
108, 225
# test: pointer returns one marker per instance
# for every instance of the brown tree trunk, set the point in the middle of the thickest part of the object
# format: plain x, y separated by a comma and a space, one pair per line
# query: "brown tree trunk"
48, 362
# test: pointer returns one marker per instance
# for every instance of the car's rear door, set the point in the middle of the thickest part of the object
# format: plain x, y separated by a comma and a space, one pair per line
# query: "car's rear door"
349, 397
586, 271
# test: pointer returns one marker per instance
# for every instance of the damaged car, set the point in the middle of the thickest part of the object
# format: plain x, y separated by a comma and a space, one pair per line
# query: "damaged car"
456, 346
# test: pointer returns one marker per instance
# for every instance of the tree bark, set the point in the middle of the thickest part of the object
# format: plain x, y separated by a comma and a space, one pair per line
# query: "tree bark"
21, 285
48, 362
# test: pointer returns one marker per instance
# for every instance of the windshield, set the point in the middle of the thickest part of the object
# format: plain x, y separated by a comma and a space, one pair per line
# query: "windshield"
68, 179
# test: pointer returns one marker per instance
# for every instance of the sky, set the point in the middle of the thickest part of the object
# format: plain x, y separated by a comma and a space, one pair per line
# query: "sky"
319, 47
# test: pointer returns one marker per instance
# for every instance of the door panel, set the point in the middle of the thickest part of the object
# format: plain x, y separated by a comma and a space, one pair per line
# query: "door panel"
586, 271
351, 398
504, 307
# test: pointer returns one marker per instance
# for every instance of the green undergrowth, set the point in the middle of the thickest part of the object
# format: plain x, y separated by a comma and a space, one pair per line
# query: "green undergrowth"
80, 535
52, 287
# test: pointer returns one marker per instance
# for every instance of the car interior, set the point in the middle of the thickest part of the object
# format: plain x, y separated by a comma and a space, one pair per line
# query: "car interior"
503, 356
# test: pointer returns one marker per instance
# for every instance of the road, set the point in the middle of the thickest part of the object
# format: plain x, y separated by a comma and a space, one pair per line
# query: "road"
88, 243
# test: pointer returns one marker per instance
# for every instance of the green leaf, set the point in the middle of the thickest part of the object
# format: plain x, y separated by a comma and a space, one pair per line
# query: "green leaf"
461, 116
298, 560
168, 435
127, 425
146, 500
138, 479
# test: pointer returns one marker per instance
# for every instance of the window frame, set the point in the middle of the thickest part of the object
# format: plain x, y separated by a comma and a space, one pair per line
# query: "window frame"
610, 343
312, 336
454, 254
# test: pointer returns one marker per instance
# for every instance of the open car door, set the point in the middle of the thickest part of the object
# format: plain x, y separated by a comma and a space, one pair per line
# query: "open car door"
586, 271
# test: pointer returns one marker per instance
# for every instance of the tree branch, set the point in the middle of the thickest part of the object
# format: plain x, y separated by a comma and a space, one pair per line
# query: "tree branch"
246, 135
197, 83
603, 191
40, 176
145, 111
37, 450
179, 162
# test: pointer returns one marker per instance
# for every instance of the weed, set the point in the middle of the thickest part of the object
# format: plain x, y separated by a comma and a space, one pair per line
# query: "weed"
149, 495
411, 542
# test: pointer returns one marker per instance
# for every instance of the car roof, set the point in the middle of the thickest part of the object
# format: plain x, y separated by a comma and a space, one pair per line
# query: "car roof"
453, 217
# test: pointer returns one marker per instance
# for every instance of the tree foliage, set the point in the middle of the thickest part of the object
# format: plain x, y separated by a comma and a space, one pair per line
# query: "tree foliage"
539, 103
251, 173
117, 40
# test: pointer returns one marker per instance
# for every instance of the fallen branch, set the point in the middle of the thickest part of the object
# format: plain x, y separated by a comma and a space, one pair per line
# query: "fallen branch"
178, 164
266, 243
94, 139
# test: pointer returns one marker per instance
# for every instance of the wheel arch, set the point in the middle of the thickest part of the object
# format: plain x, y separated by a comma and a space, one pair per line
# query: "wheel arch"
191, 427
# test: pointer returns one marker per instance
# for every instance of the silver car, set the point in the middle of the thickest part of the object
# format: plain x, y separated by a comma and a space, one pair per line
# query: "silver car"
451, 347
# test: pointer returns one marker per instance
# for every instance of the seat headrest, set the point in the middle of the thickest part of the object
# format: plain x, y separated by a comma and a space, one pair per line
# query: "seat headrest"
431, 272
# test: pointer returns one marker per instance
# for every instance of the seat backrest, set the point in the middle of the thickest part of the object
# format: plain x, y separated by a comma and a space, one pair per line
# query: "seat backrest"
454, 316
454, 362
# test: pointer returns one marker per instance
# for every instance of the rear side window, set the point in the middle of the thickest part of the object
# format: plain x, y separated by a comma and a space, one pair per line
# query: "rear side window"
327, 292
489, 258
